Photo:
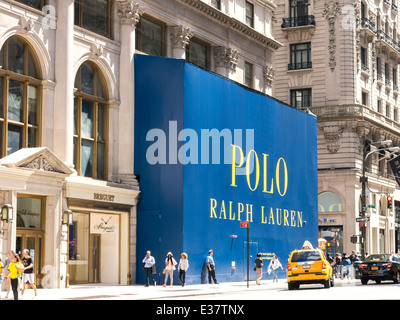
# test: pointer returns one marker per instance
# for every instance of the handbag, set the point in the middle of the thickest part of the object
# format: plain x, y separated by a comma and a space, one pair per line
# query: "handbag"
153, 269
164, 271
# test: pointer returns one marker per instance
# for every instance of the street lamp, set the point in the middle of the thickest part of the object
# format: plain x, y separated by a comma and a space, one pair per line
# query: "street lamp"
67, 217
364, 181
7, 213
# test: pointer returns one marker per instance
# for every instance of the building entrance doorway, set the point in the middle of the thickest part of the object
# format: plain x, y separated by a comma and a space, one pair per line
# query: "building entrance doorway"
31, 211
94, 245
33, 241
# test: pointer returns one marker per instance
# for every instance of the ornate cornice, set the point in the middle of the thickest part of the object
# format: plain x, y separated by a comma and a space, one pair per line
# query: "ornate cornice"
232, 23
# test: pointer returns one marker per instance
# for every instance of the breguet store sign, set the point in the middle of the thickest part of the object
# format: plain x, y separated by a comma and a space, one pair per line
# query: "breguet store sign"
104, 223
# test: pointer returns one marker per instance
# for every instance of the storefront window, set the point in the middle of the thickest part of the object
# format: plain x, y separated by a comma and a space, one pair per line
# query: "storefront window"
329, 202
29, 213
19, 102
79, 248
334, 236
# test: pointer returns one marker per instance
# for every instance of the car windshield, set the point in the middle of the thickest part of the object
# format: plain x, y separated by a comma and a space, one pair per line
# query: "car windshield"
378, 258
304, 256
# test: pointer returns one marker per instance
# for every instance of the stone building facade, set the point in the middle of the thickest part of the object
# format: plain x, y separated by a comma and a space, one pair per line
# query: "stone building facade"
67, 115
340, 61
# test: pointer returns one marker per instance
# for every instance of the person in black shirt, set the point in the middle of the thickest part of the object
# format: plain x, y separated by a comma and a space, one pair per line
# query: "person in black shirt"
258, 263
28, 276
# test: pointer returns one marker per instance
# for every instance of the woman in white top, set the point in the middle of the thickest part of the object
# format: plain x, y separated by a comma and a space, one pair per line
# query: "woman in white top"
275, 265
170, 264
182, 267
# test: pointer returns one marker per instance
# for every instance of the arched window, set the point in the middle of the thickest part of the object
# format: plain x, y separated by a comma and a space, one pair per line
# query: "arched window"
20, 89
329, 202
90, 122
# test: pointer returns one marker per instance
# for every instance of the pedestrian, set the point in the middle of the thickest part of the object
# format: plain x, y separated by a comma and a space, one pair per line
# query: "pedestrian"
345, 264
352, 257
182, 267
28, 276
337, 265
170, 264
258, 267
7, 262
274, 265
211, 267
148, 263
14, 271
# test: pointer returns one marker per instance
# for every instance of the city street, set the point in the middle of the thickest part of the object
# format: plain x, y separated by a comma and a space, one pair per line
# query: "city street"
234, 291
346, 290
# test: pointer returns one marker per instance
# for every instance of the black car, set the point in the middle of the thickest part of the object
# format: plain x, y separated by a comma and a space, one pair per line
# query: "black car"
380, 267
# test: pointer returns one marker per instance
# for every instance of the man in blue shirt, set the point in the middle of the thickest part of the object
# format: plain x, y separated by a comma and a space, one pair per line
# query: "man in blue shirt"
148, 263
211, 267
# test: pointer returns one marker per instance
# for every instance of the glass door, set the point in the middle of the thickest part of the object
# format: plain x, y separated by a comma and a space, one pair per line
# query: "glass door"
34, 243
94, 262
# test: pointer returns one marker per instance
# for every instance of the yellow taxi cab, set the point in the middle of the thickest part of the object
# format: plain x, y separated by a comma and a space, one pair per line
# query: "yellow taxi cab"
308, 266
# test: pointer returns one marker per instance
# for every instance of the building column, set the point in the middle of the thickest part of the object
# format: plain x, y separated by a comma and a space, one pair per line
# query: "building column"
226, 60
129, 14
64, 75
180, 37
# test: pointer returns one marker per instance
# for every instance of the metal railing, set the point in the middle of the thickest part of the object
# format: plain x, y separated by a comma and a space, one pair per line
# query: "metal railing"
298, 21
354, 110
366, 23
382, 35
300, 65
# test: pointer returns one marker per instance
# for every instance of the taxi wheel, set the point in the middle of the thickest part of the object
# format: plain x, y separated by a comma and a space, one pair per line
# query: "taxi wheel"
293, 286
327, 283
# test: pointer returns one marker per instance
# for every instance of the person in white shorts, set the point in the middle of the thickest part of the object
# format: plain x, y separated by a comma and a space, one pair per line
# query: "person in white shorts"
28, 276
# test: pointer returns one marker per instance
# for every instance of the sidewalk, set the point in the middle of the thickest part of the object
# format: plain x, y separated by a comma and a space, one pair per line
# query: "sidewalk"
139, 292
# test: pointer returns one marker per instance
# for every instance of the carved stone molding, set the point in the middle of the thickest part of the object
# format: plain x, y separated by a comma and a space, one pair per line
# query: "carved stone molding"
331, 11
40, 163
180, 36
357, 11
226, 57
27, 24
40, 159
96, 51
129, 12
332, 134
269, 75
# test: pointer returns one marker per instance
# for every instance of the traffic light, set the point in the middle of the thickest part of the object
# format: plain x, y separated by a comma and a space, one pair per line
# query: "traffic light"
389, 202
328, 244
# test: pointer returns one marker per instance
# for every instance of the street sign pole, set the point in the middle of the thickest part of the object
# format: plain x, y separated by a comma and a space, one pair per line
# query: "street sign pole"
245, 224
248, 227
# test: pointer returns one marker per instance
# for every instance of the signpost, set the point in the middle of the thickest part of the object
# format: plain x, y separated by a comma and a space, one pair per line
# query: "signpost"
245, 224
